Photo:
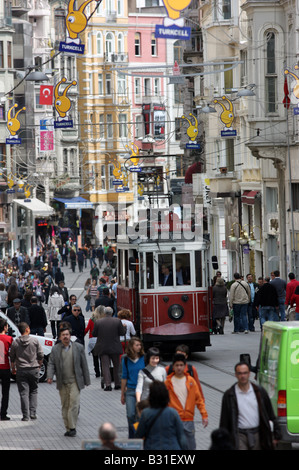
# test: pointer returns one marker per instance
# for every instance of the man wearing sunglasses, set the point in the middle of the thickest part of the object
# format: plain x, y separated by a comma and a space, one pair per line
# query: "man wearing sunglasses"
77, 323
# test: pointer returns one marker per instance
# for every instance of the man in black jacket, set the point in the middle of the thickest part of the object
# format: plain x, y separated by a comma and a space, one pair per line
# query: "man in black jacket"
18, 314
38, 318
105, 299
246, 413
266, 300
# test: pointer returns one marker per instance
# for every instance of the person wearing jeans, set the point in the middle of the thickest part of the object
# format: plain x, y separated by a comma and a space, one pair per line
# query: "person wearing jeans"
239, 298
132, 363
266, 300
280, 286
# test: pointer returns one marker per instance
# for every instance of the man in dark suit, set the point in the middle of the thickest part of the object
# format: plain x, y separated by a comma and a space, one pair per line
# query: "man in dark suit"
105, 299
108, 330
167, 277
17, 313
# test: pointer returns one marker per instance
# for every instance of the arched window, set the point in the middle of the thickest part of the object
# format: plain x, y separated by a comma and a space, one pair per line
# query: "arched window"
99, 44
270, 72
109, 46
120, 43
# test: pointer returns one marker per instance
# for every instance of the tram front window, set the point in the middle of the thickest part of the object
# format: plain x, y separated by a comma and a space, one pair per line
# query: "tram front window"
182, 269
165, 270
174, 269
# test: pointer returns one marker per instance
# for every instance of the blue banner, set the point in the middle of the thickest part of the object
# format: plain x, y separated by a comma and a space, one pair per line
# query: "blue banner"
173, 32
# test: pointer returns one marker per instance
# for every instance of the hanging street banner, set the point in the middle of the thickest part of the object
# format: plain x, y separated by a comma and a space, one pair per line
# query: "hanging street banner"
13, 125
173, 27
76, 22
46, 95
46, 136
192, 133
63, 105
294, 99
227, 117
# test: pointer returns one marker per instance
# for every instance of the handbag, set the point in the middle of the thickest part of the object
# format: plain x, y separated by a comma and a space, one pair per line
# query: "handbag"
87, 297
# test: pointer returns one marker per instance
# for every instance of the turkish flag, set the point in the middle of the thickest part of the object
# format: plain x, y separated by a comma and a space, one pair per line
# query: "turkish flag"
46, 94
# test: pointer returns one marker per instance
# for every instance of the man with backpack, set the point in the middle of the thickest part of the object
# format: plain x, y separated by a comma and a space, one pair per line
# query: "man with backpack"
189, 369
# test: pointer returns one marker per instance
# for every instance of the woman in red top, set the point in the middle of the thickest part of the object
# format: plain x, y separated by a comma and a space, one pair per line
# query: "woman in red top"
96, 315
5, 344
295, 300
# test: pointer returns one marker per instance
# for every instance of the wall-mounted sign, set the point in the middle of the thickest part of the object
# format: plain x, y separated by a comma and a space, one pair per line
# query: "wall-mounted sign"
192, 132
13, 125
227, 117
63, 105
294, 89
76, 22
173, 27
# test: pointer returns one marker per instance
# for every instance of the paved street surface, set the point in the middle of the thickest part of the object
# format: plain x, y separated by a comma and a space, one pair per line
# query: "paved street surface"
98, 406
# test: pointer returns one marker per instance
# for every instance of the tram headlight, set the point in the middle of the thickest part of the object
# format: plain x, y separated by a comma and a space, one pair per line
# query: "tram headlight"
176, 312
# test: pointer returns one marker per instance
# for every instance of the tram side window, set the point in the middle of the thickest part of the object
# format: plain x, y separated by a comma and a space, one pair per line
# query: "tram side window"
198, 269
149, 271
182, 269
165, 270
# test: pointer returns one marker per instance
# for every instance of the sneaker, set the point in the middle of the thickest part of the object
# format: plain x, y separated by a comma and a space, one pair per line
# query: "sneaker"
108, 388
70, 433
4, 418
25, 418
235, 332
246, 332
33, 417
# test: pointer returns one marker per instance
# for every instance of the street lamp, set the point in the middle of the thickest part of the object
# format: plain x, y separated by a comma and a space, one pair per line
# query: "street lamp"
247, 91
252, 240
36, 76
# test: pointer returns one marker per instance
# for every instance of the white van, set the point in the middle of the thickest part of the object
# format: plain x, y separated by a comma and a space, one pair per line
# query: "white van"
46, 343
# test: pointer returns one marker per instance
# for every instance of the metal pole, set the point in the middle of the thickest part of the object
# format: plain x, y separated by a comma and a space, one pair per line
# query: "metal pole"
293, 251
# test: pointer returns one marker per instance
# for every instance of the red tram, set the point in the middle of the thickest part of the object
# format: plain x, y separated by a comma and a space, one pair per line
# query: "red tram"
164, 283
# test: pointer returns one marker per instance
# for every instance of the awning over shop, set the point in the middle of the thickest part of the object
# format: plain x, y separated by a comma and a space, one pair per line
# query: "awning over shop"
75, 203
249, 197
38, 208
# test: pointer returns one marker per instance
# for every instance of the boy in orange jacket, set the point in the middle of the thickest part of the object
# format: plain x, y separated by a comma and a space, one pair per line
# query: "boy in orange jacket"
184, 397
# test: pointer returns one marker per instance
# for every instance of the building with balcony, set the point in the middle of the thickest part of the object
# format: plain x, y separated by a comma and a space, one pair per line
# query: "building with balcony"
104, 109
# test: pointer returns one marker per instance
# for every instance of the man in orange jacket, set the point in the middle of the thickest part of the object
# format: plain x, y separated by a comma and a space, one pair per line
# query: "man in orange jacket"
184, 396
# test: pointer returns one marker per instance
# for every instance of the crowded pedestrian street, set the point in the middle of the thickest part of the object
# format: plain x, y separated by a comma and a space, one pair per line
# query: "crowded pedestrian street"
215, 369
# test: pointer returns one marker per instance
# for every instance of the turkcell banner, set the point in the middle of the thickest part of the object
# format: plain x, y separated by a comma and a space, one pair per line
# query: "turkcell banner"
173, 32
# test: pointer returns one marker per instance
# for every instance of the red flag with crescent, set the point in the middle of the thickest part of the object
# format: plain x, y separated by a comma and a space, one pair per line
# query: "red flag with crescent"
46, 94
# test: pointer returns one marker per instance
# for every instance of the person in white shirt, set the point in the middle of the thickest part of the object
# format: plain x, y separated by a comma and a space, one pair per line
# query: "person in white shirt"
246, 413
125, 316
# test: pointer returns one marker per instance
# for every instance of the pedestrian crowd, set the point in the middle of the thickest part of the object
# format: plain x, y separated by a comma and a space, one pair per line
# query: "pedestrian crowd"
244, 301
159, 401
